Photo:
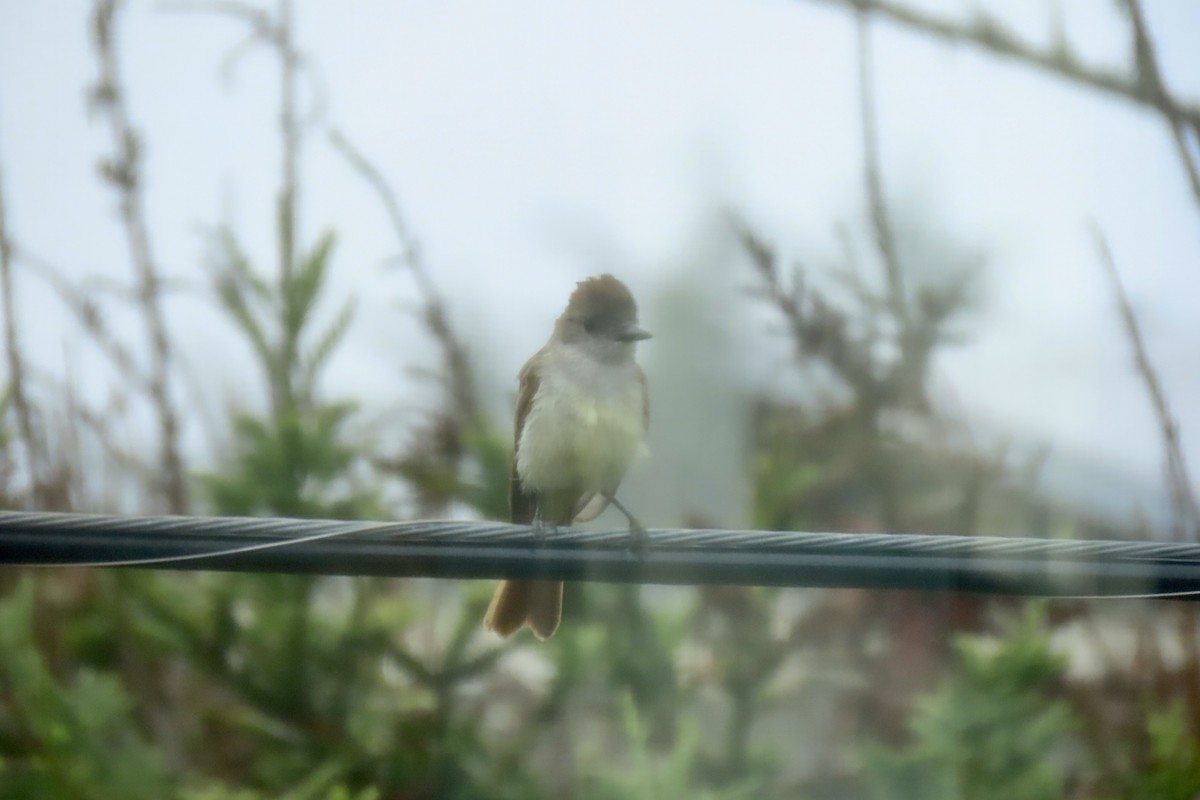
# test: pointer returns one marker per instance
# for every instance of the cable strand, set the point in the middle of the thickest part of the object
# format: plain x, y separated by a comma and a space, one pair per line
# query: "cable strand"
477, 549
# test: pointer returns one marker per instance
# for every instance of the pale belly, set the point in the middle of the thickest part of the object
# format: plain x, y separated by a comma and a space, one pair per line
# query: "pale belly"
579, 439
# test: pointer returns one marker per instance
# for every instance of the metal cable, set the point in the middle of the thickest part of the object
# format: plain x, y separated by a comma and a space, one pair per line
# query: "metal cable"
466, 549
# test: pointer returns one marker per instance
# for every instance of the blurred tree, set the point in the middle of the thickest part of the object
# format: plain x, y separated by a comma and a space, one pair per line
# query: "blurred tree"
73, 736
1173, 770
296, 460
995, 729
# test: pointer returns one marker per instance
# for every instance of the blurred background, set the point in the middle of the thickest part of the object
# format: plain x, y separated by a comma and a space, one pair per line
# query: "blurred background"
923, 266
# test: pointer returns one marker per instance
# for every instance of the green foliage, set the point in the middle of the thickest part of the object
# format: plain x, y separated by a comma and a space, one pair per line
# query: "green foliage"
993, 730
316, 787
307, 659
310, 651
71, 735
269, 686
297, 460
275, 317
810, 472
490, 451
295, 464
320, 694
652, 777
1174, 769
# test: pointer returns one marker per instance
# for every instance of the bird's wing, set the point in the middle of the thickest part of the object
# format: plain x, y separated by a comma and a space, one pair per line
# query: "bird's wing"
522, 504
641, 376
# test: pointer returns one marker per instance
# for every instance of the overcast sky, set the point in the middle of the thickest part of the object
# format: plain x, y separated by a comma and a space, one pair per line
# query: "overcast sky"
532, 143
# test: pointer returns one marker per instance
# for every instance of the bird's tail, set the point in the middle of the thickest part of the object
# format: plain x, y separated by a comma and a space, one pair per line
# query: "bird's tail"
537, 603
516, 603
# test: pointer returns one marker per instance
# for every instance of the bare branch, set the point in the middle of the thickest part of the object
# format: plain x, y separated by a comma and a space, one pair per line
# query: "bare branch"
439, 447
87, 312
16, 367
816, 326
410, 254
264, 30
1060, 60
432, 312
1183, 498
1149, 76
289, 132
258, 20
123, 171
881, 224
991, 35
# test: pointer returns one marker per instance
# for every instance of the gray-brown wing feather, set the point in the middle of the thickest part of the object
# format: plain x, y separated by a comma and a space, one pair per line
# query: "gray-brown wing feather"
522, 504
641, 376
517, 603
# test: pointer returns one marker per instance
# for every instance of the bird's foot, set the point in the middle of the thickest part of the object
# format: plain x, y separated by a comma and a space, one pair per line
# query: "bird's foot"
639, 539
542, 530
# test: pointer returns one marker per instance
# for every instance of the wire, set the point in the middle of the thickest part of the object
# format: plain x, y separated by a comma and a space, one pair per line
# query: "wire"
1064, 568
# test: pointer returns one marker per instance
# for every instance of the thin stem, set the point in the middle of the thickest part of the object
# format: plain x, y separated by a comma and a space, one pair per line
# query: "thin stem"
990, 35
1150, 77
433, 313
289, 131
881, 223
123, 171
1145, 87
1187, 510
16, 368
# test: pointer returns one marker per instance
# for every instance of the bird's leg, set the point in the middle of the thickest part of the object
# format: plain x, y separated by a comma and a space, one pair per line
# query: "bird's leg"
539, 525
541, 528
639, 539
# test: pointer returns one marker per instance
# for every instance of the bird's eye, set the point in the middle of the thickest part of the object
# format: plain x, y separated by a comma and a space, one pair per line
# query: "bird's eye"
591, 324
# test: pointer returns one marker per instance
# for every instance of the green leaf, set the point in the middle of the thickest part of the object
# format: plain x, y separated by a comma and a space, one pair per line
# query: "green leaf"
301, 292
324, 346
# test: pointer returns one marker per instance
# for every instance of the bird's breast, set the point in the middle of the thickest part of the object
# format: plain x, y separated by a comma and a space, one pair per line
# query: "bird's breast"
576, 435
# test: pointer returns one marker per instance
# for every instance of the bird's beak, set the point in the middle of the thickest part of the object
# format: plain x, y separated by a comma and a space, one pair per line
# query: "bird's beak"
632, 333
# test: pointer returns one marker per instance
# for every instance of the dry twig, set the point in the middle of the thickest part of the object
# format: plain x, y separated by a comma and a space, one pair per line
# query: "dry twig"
1145, 87
990, 34
881, 223
1183, 499
1149, 76
123, 172
433, 311
440, 446
16, 367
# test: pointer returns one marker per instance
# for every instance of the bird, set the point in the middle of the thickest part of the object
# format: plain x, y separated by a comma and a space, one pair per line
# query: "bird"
582, 413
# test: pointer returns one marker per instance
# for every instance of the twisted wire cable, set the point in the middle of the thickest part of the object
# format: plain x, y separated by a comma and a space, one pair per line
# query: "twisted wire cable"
474, 549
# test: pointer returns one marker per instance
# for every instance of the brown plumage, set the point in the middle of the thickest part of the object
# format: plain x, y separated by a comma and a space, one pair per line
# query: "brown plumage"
601, 313
515, 603
602, 296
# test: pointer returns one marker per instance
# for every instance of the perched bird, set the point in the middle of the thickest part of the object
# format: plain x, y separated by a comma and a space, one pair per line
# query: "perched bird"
582, 413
